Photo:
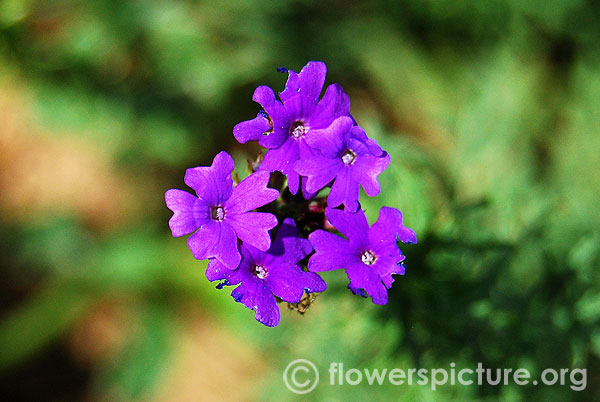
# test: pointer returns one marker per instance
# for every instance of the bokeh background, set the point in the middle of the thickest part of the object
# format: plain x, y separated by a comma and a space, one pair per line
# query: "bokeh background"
489, 109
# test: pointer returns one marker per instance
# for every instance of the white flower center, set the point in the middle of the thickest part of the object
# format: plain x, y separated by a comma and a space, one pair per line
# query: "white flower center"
217, 213
348, 157
298, 129
259, 271
368, 258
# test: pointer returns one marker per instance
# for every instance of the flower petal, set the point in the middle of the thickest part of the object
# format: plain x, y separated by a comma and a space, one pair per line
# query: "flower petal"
216, 271
319, 171
265, 96
363, 277
189, 212
388, 262
288, 244
212, 184
252, 130
289, 282
366, 169
253, 294
331, 140
407, 235
353, 225
253, 228
309, 82
389, 226
277, 113
216, 240
331, 252
308, 195
274, 139
283, 159
291, 86
300, 108
386, 275
344, 190
335, 103
251, 193
359, 134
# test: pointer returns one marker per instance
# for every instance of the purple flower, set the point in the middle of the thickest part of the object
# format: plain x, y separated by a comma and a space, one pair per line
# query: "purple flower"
370, 255
348, 156
284, 127
220, 212
262, 276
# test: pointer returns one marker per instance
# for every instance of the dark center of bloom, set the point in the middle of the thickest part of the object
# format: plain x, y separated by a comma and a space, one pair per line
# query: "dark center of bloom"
298, 129
217, 213
368, 258
259, 271
348, 157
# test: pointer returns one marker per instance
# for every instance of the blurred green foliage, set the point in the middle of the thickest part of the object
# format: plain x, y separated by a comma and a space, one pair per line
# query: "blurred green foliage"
490, 111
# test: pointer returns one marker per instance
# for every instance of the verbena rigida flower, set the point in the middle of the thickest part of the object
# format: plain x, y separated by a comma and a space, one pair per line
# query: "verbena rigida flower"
315, 143
284, 126
263, 275
220, 213
370, 256
347, 156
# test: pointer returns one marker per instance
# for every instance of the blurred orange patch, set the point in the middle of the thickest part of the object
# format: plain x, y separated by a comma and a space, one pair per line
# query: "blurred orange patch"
42, 174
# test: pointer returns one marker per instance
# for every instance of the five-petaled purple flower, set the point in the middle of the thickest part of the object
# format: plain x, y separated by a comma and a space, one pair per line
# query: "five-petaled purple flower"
348, 156
263, 275
284, 127
369, 255
220, 212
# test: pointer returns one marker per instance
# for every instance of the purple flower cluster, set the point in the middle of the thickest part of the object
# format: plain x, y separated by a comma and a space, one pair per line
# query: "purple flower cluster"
315, 143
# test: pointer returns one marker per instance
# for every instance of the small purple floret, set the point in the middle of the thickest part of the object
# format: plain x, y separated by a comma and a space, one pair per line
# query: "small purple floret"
219, 215
292, 121
348, 158
263, 275
370, 256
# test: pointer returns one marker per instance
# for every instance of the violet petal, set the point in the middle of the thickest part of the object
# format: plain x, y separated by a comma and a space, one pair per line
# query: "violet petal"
366, 169
331, 252
354, 226
309, 82
330, 141
288, 244
255, 296
283, 159
362, 277
253, 228
251, 193
216, 240
189, 212
319, 171
335, 103
389, 226
251, 130
213, 184
288, 282
344, 191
